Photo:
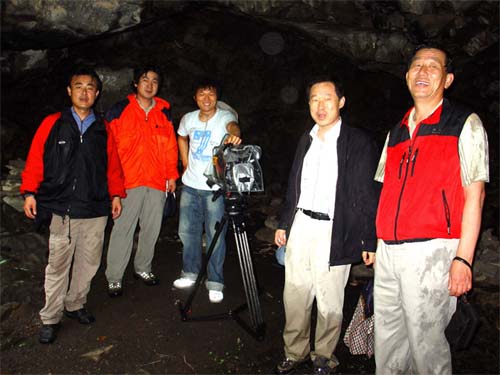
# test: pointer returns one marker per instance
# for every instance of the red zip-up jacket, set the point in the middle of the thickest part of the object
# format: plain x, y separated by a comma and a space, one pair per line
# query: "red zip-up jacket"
146, 144
73, 173
422, 196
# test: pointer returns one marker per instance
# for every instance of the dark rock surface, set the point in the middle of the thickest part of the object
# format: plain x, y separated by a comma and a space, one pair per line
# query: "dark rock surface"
263, 53
142, 332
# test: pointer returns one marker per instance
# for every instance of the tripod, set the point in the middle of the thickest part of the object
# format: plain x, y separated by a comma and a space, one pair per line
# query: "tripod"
234, 204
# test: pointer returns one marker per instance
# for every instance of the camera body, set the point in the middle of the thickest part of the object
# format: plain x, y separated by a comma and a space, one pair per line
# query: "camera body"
236, 168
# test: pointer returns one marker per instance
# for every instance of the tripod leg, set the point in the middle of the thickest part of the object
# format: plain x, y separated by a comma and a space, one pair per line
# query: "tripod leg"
184, 309
252, 288
248, 276
245, 275
252, 280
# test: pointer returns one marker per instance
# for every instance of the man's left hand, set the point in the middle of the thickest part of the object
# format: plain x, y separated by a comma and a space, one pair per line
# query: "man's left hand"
116, 207
171, 185
460, 279
235, 140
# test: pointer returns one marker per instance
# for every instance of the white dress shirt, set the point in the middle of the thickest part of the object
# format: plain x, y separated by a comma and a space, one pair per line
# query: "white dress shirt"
318, 184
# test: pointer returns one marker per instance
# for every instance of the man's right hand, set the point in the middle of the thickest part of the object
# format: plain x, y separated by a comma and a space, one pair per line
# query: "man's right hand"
280, 237
368, 258
30, 206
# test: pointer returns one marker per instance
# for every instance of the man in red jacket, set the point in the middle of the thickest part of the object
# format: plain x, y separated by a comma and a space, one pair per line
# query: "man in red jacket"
71, 173
142, 130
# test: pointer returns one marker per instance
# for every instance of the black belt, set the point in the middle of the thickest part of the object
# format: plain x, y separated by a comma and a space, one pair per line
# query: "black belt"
315, 215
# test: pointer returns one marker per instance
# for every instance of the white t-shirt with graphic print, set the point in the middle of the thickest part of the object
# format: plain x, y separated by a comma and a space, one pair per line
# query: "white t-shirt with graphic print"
203, 137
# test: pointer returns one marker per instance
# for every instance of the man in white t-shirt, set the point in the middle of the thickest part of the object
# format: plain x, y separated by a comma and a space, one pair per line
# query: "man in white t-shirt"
199, 132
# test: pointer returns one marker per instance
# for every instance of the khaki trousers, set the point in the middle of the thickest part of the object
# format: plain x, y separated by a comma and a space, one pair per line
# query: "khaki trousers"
143, 205
308, 276
84, 250
413, 307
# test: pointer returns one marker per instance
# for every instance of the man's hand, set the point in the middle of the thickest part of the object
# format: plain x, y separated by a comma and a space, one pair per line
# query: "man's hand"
368, 258
116, 207
280, 237
234, 139
171, 185
30, 206
460, 279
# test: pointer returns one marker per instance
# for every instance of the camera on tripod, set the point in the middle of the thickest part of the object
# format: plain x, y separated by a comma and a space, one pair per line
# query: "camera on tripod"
236, 169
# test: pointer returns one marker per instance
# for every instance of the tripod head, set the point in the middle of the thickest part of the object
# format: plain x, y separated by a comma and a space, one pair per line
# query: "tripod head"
236, 168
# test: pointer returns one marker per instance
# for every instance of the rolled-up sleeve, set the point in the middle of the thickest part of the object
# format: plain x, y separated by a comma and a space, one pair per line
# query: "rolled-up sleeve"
473, 151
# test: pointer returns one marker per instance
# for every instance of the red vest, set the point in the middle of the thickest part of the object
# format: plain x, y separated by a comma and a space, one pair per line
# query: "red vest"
422, 196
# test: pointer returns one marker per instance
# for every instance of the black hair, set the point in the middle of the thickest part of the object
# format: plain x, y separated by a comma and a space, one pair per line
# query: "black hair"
339, 86
207, 83
448, 61
85, 71
142, 70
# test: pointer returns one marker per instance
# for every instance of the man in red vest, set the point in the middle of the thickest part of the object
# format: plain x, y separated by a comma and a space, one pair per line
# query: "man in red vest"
433, 167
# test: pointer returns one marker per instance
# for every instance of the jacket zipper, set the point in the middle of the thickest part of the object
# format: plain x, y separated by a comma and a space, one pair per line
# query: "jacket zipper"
407, 161
401, 164
414, 160
446, 211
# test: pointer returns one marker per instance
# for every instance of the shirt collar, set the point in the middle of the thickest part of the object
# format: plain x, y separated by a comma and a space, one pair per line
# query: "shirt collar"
87, 120
432, 119
153, 103
331, 134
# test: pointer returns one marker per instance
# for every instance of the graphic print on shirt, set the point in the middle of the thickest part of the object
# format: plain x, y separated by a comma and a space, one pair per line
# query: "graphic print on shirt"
200, 141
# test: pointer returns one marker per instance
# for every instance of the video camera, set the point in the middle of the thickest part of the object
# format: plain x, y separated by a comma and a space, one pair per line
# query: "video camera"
236, 168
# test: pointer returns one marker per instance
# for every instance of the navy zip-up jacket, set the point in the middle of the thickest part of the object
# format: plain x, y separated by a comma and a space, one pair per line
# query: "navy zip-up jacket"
356, 195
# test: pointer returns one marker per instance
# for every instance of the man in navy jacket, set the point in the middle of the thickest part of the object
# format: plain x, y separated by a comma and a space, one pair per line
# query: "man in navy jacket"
327, 221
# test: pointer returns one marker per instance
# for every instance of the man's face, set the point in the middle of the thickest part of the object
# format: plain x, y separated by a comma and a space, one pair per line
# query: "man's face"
147, 87
206, 99
324, 104
83, 92
427, 77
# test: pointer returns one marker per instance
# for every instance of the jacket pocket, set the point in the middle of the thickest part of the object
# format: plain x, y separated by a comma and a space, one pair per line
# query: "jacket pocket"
446, 211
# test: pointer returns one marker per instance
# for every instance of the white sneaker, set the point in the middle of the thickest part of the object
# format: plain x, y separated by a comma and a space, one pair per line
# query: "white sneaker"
215, 296
183, 283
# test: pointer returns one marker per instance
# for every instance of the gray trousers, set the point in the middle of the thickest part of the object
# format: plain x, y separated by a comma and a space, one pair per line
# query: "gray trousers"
143, 205
83, 251
413, 307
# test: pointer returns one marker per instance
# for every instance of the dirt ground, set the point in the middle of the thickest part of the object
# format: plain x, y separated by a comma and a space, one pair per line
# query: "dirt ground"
142, 332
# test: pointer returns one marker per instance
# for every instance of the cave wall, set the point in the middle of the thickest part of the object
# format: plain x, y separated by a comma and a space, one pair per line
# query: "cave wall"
263, 53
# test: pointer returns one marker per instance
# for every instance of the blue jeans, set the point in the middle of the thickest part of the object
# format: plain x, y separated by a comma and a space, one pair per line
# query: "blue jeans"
196, 210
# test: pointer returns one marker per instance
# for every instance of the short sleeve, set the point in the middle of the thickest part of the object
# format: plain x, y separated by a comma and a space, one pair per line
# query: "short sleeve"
473, 151
229, 117
183, 131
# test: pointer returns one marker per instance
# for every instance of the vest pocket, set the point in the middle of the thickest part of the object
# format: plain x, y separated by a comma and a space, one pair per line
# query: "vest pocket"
446, 211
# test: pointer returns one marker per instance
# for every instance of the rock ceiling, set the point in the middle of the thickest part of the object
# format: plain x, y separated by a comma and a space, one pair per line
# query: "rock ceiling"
376, 35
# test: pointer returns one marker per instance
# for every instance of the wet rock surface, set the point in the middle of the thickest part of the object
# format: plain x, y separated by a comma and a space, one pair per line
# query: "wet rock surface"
142, 332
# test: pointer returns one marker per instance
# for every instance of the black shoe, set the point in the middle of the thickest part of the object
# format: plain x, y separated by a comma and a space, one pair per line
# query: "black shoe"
288, 366
48, 333
83, 316
115, 289
322, 366
147, 277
